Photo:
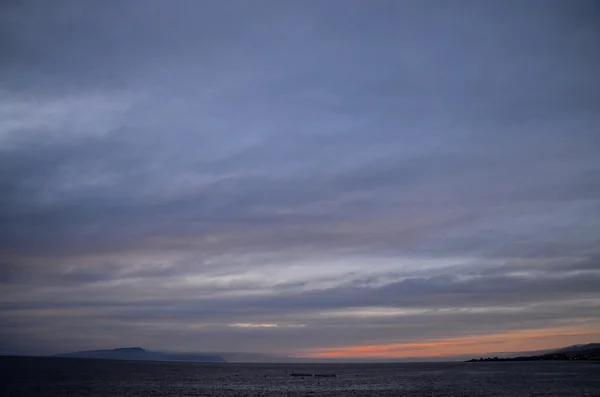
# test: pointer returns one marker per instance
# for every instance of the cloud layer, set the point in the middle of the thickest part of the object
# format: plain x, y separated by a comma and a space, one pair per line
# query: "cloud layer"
314, 180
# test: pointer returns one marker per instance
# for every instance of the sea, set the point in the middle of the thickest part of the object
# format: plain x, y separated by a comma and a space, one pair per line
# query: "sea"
38, 376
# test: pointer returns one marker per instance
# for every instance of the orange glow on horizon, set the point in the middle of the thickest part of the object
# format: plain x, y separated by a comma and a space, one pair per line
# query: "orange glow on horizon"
515, 341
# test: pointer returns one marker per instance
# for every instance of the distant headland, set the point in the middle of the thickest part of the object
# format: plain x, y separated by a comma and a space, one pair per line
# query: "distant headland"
137, 353
587, 352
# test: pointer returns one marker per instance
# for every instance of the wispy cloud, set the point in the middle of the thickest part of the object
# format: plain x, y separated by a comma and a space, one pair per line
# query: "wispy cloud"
288, 178
507, 342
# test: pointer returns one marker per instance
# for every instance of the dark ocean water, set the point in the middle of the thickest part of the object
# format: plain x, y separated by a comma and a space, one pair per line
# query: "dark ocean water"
22, 376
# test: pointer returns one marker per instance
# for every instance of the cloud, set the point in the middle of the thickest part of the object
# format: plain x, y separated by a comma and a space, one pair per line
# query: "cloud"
353, 173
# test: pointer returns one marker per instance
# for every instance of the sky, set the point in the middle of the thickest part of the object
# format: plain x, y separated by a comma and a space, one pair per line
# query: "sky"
318, 179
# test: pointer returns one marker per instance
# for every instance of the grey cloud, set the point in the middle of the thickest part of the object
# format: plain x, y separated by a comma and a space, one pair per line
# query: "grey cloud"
452, 287
261, 145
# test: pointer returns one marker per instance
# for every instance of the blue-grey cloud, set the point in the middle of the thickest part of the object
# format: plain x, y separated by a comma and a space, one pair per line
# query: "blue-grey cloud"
182, 168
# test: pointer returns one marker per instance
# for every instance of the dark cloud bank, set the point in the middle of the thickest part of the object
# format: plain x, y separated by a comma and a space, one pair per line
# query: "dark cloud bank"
281, 176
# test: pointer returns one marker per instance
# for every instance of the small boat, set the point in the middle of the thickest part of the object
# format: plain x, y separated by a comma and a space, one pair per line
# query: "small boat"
300, 374
325, 375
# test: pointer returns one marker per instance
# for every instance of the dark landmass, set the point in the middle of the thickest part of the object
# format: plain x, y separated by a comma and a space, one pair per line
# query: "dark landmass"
578, 348
587, 352
137, 353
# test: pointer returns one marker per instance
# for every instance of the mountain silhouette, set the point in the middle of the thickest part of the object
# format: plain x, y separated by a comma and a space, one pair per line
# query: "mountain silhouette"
137, 353
590, 352
578, 348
